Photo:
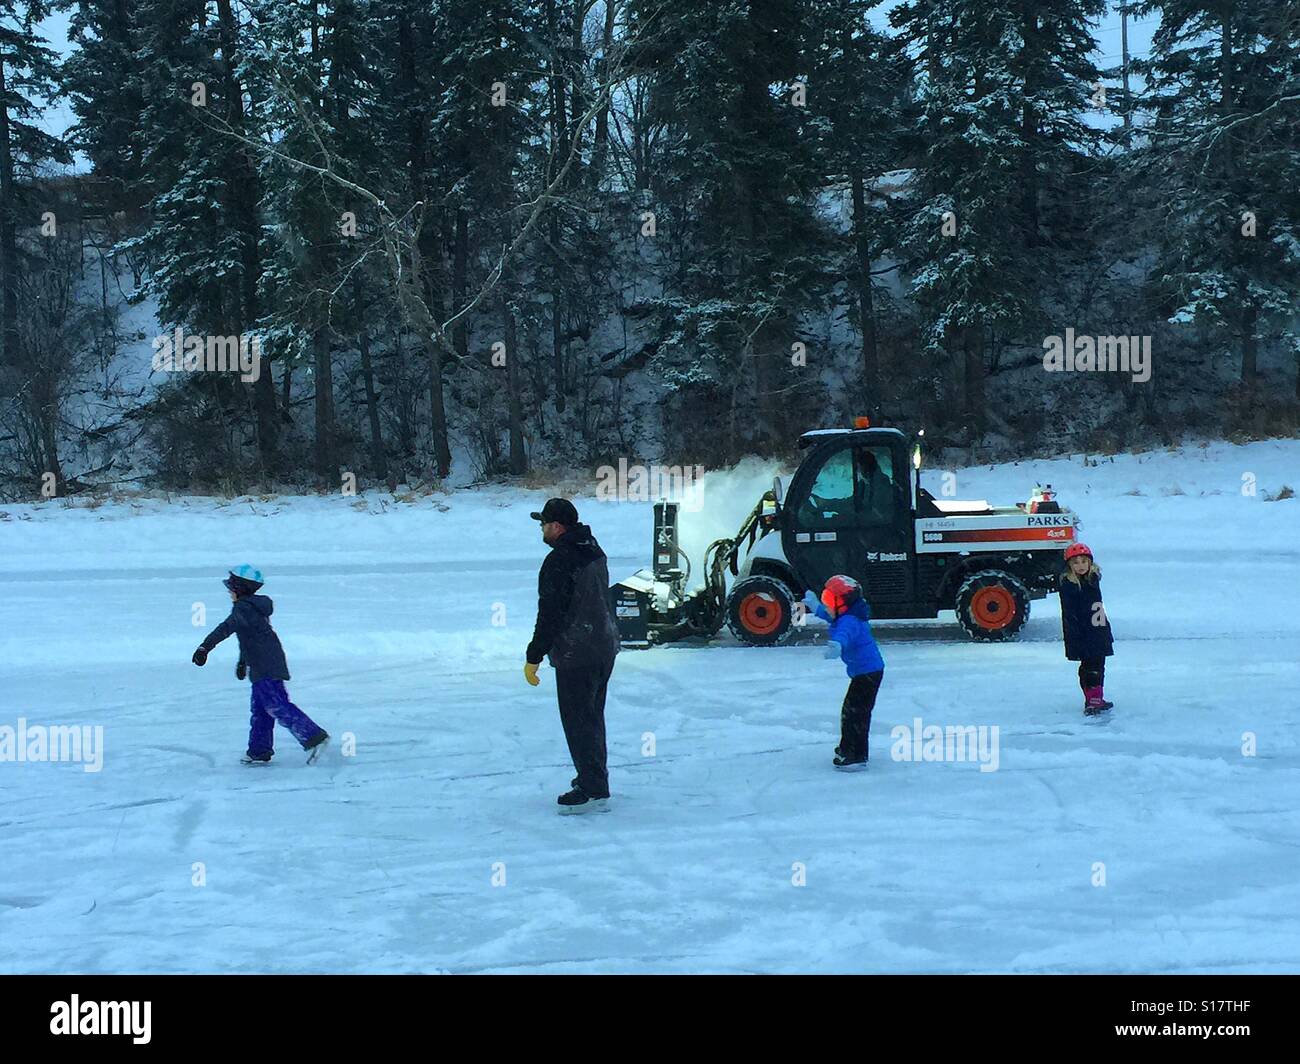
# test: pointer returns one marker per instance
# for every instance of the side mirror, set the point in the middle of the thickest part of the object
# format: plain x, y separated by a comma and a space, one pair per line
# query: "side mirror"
776, 490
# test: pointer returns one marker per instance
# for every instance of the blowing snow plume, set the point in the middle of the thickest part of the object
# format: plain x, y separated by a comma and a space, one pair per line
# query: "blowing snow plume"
724, 500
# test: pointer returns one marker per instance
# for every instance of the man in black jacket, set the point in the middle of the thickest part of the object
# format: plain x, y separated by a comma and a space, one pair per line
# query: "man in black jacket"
576, 630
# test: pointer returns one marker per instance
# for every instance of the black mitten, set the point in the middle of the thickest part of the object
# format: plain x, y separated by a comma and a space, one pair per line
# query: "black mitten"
200, 657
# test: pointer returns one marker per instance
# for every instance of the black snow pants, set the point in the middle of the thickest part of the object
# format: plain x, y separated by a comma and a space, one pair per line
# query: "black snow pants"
1092, 673
855, 715
581, 693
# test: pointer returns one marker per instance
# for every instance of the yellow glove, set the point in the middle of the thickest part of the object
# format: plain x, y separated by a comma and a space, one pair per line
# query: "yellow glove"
530, 673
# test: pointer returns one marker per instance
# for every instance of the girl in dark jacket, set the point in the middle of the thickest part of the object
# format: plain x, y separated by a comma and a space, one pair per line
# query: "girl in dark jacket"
1088, 638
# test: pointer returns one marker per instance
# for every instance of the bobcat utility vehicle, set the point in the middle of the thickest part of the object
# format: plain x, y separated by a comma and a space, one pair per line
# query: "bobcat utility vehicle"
854, 506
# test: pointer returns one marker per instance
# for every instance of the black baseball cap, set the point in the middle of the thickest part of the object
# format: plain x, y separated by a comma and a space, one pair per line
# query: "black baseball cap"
560, 510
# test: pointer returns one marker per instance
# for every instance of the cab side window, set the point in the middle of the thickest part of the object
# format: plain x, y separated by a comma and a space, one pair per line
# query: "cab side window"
878, 495
831, 500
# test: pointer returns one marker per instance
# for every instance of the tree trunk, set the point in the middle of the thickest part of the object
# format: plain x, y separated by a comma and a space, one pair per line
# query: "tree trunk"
973, 347
8, 237
559, 134
1029, 132
428, 243
377, 455
557, 348
518, 460
745, 182
47, 411
458, 281
560, 146
438, 410
600, 144
577, 102
324, 451
398, 380
1226, 95
1249, 345
640, 146
866, 298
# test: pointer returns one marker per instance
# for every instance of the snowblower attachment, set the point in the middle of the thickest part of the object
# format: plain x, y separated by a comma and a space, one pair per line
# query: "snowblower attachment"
653, 606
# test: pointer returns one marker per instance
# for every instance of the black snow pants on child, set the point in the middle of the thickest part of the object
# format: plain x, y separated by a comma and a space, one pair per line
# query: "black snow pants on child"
855, 715
1092, 673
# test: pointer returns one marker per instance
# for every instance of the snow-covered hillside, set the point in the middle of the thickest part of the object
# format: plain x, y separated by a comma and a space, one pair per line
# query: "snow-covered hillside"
732, 846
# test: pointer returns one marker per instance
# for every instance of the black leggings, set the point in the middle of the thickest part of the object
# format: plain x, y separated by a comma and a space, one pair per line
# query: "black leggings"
855, 715
1092, 673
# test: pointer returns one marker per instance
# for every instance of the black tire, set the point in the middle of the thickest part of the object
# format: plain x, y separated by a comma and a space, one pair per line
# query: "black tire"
760, 611
992, 606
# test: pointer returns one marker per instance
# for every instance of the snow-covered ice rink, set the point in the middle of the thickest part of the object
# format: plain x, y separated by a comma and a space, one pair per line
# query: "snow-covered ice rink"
437, 847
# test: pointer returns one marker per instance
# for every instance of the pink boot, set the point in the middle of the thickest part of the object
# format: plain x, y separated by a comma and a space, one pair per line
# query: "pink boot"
1095, 702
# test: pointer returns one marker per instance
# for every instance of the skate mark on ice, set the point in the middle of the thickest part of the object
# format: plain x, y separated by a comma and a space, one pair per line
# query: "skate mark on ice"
1063, 809
1224, 818
140, 803
188, 823
118, 834
22, 902
206, 757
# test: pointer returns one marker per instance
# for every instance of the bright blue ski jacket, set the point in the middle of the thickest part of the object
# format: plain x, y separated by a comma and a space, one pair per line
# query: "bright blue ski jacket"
852, 630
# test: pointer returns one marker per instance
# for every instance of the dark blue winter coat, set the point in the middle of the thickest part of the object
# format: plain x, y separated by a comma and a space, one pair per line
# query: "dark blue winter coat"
1081, 613
852, 631
259, 646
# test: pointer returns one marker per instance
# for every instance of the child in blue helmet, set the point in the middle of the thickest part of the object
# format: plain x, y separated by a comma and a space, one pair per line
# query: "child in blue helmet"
261, 658
841, 603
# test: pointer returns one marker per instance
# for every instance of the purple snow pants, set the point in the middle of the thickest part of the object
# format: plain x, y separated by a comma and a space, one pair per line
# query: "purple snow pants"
271, 703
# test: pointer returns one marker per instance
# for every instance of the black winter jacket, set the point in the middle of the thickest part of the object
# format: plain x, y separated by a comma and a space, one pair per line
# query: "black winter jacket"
259, 646
575, 621
1080, 610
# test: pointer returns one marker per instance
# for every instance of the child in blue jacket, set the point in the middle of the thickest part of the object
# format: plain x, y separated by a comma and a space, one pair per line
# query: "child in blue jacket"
261, 658
842, 604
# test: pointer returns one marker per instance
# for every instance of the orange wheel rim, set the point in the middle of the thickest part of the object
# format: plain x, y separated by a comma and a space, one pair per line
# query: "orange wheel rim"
760, 613
993, 607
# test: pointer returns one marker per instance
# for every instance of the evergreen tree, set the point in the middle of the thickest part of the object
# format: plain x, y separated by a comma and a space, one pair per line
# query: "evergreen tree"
1224, 95
313, 73
101, 77
28, 81
1002, 87
488, 56
201, 244
403, 127
735, 202
858, 87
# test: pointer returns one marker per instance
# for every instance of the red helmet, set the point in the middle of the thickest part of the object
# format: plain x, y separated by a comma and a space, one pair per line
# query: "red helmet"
1074, 550
840, 593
